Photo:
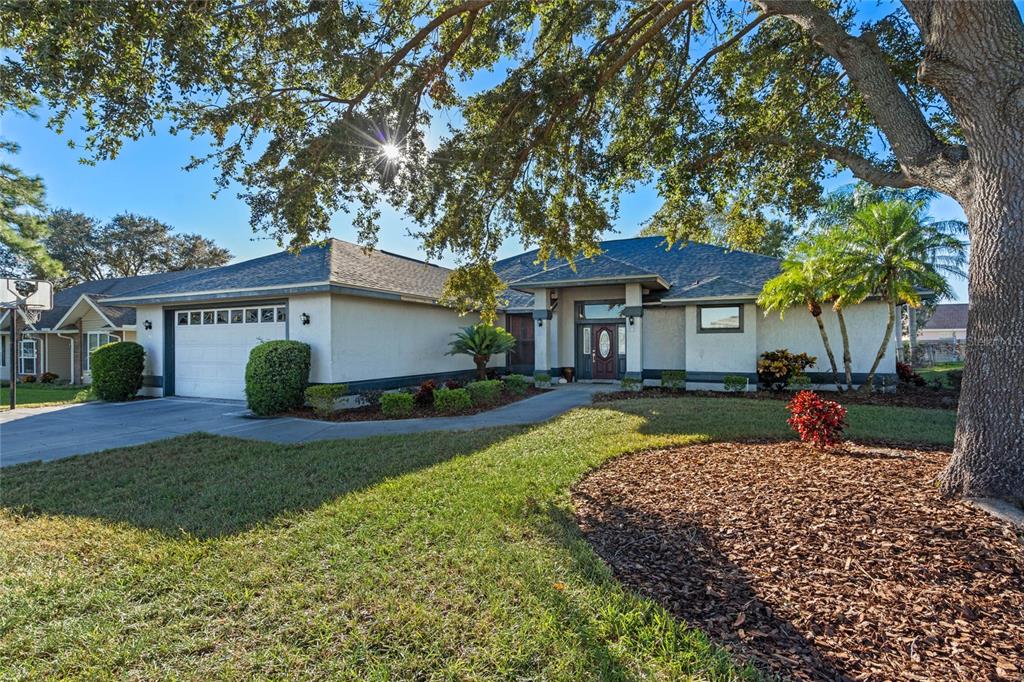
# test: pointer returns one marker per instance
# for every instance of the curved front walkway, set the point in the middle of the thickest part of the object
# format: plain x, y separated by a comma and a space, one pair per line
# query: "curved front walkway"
47, 433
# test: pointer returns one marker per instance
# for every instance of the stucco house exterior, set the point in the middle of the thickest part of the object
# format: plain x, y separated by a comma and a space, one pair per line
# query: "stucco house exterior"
372, 319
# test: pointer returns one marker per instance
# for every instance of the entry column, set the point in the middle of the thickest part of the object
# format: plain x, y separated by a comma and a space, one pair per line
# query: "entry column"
634, 315
541, 333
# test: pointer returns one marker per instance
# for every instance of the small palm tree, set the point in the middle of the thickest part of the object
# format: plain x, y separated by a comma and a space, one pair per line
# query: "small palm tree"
481, 341
894, 251
804, 281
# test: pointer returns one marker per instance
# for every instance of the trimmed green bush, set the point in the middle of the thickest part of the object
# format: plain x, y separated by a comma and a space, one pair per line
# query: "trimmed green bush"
396, 405
735, 382
674, 379
542, 379
276, 377
631, 383
117, 370
452, 400
800, 382
516, 384
323, 397
484, 393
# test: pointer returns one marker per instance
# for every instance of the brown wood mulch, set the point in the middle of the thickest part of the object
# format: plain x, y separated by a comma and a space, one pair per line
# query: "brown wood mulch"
373, 413
816, 566
905, 396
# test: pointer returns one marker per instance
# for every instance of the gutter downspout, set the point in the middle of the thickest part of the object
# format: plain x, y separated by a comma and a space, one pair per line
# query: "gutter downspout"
72, 358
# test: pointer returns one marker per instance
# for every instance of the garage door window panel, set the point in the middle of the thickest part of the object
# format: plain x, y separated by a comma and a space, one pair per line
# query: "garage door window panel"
236, 316
252, 315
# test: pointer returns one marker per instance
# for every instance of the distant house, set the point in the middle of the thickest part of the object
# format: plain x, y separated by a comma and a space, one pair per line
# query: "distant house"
947, 323
373, 319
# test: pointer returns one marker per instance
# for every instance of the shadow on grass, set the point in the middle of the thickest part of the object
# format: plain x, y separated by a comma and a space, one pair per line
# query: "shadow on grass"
210, 486
679, 566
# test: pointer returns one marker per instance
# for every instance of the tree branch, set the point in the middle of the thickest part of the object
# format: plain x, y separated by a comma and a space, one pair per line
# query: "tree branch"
663, 20
710, 54
919, 152
412, 43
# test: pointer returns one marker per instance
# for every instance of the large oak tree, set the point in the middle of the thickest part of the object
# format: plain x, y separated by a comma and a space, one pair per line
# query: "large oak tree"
722, 103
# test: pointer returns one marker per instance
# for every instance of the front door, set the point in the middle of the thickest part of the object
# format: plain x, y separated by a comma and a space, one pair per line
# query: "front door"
603, 354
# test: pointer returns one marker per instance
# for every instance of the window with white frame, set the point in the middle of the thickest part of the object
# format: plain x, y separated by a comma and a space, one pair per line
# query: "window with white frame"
28, 357
94, 340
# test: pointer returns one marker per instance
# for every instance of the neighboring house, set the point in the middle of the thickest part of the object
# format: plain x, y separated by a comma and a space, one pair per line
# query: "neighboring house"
372, 319
947, 323
80, 321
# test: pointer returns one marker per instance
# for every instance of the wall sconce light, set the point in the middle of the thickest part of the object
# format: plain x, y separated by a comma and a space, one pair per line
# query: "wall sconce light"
305, 318
631, 320
147, 325
540, 323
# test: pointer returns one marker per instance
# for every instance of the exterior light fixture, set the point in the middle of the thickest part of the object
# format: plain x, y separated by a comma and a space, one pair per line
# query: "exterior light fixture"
540, 323
631, 320
305, 318
147, 325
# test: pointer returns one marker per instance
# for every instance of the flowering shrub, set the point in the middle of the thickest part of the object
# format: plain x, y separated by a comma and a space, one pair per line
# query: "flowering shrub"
819, 422
453, 384
48, 377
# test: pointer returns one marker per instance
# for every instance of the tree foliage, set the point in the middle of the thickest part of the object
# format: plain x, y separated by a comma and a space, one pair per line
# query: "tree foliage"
727, 106
126, 246
22, 226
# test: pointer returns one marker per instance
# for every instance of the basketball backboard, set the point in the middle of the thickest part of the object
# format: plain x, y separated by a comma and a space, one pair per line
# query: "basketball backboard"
33, 294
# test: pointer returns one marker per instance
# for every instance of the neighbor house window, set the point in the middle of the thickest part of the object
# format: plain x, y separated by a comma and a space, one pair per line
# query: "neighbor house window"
720, 318
94, 340
600, 311
28, 357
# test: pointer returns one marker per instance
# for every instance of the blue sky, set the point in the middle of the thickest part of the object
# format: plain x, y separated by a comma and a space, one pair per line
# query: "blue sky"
148, 178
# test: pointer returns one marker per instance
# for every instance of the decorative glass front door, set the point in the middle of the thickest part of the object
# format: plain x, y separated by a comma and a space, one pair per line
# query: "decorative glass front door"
603, 354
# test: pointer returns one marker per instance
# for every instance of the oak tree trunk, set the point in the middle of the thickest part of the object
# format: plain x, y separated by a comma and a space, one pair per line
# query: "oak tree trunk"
988, 455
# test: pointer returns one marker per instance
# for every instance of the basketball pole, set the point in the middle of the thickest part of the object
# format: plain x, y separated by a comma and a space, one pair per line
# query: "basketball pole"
14, 357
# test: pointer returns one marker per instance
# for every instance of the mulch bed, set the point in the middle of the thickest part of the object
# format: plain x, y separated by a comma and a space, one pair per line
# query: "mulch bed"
373, 413
905, 396
816, 566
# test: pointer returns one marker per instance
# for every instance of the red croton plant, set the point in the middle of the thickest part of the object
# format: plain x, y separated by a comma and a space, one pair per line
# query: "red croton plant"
819, 422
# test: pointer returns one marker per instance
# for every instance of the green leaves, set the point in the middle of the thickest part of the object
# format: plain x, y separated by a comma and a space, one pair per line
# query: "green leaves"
22, 227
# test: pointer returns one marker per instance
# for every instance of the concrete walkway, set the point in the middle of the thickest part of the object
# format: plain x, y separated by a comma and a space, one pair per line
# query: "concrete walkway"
48, 433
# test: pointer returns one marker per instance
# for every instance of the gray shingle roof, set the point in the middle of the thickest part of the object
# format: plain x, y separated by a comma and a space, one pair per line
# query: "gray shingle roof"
99, 290
692, 270
333, 261
600, 266
948, 316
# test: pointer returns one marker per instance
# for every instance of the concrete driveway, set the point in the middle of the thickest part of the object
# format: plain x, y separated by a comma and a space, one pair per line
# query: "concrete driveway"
48, 433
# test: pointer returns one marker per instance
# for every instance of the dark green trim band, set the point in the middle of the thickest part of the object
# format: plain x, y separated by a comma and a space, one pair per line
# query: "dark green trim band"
388, 383
633, 311
152, 381
542, 314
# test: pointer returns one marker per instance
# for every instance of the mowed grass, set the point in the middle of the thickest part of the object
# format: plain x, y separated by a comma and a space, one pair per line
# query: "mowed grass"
940, 371
437, 556
31, 395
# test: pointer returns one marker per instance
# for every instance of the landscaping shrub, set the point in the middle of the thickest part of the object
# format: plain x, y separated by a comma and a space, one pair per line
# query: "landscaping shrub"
28, 379
117, 370
86, 395
956, 378
48, 377
735, 382
452, 400
323, 397
817, 421
516, 384
800, 382
542, 379
484, 393
425, 393
631, 383
775, 368
453, 384
396, 404
907, 375
276, 376
674, 379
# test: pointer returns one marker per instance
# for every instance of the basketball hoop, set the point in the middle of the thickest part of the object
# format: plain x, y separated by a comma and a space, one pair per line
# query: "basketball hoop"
33, 315
27, 294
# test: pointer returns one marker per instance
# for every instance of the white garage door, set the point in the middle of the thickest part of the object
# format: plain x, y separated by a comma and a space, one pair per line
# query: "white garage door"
211, 348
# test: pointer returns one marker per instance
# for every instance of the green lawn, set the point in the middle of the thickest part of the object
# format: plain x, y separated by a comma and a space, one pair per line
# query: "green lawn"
434, 556
940, 371
38, 395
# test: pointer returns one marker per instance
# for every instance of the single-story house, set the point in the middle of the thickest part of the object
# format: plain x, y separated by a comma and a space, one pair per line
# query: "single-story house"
947, 323
372, 318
